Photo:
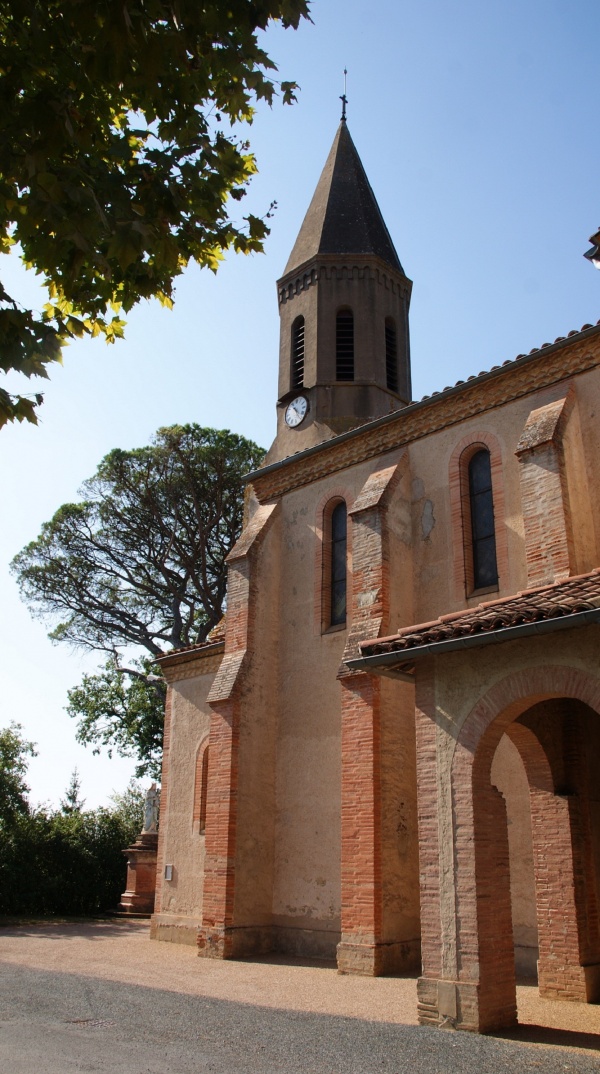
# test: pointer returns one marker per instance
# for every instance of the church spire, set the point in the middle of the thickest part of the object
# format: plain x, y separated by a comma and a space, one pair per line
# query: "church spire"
343, 306
343, 216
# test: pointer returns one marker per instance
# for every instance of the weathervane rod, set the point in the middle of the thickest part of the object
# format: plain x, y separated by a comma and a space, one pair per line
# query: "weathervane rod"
343, 98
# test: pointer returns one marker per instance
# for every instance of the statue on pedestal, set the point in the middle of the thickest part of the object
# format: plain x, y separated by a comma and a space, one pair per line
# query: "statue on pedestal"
138, 898
151, 808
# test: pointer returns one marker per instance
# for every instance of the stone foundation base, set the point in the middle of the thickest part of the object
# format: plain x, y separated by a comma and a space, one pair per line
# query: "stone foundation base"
377, 960
305, 943
578, 983
238, 942
457, 1005
244, 941
172, 929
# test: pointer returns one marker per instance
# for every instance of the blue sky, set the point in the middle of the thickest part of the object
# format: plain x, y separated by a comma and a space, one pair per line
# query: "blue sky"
478, 128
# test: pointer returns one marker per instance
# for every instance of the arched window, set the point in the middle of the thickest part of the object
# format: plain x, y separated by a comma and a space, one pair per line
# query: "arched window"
338, 565
483, 534
297, 379
344, 345
391, 355
200, 789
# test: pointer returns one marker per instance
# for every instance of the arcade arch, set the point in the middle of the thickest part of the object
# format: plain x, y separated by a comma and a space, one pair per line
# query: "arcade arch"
550, 715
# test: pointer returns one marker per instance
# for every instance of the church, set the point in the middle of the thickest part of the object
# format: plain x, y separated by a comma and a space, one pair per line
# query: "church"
387, 753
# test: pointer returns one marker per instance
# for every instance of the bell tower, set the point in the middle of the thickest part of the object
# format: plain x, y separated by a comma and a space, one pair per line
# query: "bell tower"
344, 354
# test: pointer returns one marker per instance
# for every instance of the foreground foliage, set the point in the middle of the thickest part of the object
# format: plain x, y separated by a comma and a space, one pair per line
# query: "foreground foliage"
64, 863
117, 157
67, 861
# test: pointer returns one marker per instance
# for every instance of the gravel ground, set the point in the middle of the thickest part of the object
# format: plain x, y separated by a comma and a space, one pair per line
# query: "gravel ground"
101, 997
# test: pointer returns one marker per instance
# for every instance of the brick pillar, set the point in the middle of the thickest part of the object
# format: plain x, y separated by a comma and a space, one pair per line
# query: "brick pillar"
360, 948
568, 960
219, 937
493, 961
468, 961
567, 914
433, 943
215, 938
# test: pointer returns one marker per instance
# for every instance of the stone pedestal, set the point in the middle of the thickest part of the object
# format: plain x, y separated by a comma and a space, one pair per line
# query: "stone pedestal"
138, 898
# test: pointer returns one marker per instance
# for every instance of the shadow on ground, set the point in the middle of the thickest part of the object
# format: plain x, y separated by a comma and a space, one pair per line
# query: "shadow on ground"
63, 1023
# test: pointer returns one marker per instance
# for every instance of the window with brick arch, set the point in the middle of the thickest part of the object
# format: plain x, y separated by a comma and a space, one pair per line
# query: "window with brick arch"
297, 377
391, 355
338, 526
344, 345
482, 526
200, 789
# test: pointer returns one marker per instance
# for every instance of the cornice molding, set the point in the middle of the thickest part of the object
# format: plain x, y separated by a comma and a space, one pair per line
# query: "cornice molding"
193, 668
524, 376
359, 267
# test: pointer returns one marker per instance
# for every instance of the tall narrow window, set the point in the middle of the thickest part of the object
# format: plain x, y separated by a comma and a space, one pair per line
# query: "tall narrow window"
485, 569
391, 355
298, 353
200, 789
344, 345
338, 564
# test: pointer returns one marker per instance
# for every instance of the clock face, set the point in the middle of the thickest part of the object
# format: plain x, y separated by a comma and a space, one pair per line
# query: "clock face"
296, 411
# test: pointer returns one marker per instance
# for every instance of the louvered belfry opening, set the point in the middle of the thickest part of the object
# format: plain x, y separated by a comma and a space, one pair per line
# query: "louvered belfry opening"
391, 355
344, 345
298, 353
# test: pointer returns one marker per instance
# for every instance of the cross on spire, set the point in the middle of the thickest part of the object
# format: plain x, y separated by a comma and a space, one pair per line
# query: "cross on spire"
343, 98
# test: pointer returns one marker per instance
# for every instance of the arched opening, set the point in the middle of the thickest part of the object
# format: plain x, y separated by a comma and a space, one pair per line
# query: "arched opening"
344, 345
334, 588
461, 513
482, 526
558, 740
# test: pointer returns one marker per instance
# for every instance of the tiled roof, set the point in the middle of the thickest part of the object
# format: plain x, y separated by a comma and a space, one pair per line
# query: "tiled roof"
510, 361
531, 606
216, 637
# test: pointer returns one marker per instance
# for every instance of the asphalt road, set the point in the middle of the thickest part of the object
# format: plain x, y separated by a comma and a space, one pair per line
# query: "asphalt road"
62, 1023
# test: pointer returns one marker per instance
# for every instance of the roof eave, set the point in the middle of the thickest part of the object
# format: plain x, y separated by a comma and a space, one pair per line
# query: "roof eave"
422, 404
182, 656
397, 664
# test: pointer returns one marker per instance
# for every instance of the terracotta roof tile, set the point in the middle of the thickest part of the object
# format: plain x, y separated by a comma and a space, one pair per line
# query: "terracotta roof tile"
215, 637
511, 361
533, 605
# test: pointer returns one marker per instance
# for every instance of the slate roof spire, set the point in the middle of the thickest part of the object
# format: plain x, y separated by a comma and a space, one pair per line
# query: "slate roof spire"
343, 217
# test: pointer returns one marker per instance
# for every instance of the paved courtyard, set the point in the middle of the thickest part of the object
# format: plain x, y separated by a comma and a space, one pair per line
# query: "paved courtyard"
101, 997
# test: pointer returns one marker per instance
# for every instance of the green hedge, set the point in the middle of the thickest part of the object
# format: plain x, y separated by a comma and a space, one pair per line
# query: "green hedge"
68, 864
